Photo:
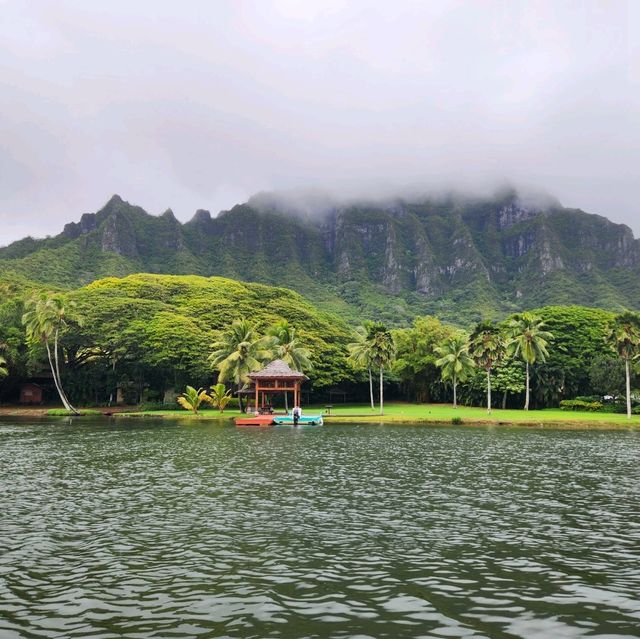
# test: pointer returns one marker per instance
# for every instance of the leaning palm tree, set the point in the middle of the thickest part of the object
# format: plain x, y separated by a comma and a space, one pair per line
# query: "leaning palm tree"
3, 367
239, 351
360, 355
624, 337
529, 341
383, 352
46, 317
487, 348
455, 361
286, 346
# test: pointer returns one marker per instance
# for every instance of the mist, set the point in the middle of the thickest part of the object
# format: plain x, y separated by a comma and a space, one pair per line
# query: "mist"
203, 105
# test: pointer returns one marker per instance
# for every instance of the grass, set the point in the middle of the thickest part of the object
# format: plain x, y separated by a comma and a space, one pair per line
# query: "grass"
63, 412
400, 412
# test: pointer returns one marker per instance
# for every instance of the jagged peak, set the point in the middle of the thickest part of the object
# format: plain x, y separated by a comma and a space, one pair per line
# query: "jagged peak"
201, 216
169, 215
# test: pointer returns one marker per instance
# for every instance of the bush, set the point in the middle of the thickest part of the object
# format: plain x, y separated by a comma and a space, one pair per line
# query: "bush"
151, 406
456, 421
579, 404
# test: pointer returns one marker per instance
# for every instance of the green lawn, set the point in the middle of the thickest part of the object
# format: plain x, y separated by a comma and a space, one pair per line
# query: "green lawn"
403, 412
399, 412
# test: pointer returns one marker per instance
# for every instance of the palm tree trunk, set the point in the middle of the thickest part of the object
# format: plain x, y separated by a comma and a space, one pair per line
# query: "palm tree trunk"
526, 397
381, 390
455, 388
64, 400
373, 407
628, 386
489, 390
504, 401
63, 395
286, 401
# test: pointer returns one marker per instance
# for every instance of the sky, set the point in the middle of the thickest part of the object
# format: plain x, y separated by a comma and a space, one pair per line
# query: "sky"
201, 104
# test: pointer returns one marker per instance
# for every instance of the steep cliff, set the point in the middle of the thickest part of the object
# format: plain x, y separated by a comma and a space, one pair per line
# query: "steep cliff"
463, 258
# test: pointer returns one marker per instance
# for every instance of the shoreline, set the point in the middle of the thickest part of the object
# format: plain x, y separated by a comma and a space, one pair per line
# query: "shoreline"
535, 420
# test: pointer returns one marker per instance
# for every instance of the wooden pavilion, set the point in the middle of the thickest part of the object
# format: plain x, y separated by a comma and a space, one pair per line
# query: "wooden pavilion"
276, 377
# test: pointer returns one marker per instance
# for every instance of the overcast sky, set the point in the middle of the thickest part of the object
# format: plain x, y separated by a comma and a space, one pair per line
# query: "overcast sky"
200, 104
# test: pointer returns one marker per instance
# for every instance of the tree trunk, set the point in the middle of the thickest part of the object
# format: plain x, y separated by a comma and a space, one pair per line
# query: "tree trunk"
381, 391
63, 395
373, 406
628, 386
489, 390
65, 401
455, 388
504, 401
526, 397
286, 401
240, 404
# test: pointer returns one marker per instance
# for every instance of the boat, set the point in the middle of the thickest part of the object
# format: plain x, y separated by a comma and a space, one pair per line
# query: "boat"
255, 420
303, 420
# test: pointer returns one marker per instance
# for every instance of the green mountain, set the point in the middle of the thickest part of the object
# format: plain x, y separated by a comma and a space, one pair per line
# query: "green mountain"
462, 258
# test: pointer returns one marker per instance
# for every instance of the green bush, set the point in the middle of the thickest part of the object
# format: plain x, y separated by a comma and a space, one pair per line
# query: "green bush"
456, 421
579, 404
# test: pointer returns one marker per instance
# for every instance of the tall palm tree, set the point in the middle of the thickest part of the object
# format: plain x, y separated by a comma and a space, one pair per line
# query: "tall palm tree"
455, 361
286, 346
46, 316
487, 347
238, 351
360, 355
624, 337
383, 352
529, 341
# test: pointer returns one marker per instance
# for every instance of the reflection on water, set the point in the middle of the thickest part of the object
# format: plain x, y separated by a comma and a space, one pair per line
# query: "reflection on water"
120, 529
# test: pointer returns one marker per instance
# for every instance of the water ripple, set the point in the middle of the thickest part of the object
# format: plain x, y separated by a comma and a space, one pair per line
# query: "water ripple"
112, 529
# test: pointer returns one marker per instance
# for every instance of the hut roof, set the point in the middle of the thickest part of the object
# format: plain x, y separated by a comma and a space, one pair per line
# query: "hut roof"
277, 369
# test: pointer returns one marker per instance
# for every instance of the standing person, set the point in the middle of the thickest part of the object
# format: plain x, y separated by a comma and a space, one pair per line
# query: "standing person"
297, 413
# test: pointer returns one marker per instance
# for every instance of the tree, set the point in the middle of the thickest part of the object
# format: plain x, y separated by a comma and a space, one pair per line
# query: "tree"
383, 352
191, 399
3, 367
286, 346
239, 351
220, 396
624, 338
416, 357
360, 355
607, 375
455, 361
529, 341
45, 317
487, 347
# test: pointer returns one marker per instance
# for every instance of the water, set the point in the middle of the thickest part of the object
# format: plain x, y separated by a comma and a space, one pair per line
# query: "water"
161, 529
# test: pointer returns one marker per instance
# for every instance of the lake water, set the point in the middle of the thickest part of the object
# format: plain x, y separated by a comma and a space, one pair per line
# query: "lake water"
160, 529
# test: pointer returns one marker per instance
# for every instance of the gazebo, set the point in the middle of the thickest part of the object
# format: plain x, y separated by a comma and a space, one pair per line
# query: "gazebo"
276, 377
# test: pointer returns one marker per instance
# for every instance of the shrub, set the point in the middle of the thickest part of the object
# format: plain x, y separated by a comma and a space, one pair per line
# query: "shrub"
63, 412
456, 421
579, 404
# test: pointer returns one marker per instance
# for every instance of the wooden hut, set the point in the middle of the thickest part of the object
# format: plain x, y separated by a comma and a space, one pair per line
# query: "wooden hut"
276, 377
30, 393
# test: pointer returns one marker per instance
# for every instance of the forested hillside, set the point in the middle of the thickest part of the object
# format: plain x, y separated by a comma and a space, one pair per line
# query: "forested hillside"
459, 258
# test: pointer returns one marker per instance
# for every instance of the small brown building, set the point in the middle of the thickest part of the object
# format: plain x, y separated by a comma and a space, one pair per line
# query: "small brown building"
30, 393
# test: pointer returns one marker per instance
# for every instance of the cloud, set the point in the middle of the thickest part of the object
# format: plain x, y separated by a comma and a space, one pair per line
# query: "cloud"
201, 105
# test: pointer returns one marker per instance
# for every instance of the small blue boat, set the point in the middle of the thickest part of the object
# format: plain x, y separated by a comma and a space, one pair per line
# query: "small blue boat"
303, 420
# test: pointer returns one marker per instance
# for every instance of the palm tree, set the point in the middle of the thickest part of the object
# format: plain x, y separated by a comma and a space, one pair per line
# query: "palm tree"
455, 361
383, 352
220, 396
286, 346
529, 341
360, 355
624, 337
192, 398
45, 317
238, 351
3, 367
487, 348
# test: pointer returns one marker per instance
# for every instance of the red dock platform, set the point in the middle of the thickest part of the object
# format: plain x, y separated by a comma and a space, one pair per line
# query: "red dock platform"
255, 420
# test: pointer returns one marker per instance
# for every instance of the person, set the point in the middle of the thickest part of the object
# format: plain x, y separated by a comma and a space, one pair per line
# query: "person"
297, 413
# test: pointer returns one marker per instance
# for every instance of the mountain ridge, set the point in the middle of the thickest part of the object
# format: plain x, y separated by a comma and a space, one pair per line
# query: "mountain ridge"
461, 258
